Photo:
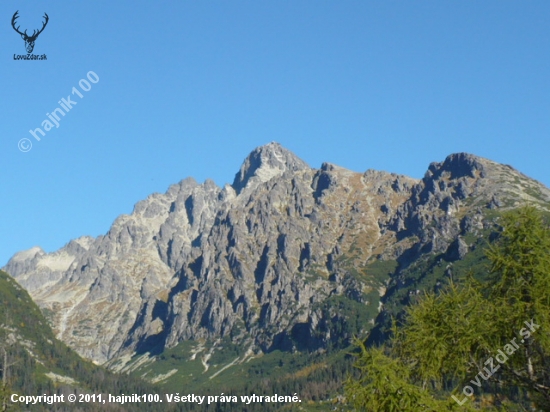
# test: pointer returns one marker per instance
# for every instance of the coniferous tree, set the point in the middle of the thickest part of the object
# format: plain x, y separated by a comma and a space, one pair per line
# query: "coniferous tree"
452, 339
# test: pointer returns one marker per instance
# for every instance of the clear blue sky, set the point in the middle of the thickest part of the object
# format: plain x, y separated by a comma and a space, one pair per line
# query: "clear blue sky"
189, 88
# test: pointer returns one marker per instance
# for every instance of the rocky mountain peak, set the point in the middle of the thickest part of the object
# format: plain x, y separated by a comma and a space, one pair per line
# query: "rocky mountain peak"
459, 165
28, 254
264, 163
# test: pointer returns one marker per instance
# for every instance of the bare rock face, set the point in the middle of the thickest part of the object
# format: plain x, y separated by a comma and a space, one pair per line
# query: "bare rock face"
448, 200
265, 163
255, 260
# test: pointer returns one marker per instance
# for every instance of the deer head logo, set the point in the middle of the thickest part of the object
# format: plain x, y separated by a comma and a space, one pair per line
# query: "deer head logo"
29, 40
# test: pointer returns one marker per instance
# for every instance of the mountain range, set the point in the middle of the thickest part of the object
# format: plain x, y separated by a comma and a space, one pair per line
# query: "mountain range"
204, 282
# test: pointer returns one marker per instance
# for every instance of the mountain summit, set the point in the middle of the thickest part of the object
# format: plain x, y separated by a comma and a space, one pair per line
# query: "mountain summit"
264, 163
287, 258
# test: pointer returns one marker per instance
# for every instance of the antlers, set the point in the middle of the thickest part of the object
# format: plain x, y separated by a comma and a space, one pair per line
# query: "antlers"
43, 25
35, 33
15, 16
